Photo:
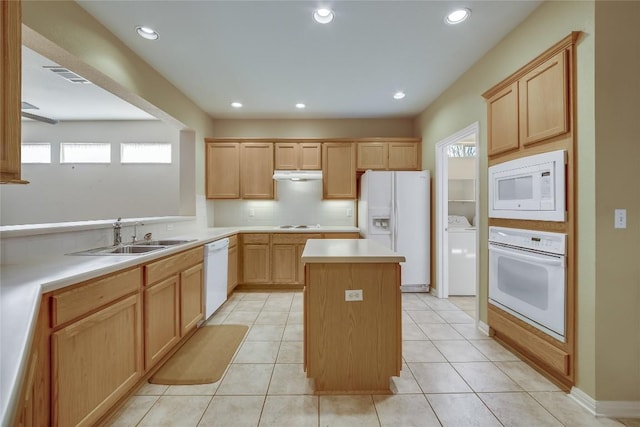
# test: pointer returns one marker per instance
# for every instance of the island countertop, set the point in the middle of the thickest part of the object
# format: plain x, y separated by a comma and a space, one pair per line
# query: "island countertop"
348, 251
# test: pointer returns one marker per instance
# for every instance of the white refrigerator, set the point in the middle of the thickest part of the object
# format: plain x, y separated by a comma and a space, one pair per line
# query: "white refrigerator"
394, 209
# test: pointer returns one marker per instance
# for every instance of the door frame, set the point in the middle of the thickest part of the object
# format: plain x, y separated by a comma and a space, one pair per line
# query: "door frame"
442, 208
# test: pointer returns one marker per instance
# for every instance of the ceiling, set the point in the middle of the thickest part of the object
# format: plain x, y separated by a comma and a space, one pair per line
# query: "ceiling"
270, 55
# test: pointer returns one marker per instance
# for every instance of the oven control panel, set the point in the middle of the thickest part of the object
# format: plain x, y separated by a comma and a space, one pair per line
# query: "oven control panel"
543, 241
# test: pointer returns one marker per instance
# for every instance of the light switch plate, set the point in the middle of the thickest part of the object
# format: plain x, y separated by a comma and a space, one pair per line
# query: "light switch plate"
353, 295
620, 218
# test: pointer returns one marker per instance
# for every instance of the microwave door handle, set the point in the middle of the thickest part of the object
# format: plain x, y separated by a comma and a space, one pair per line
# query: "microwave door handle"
555, 260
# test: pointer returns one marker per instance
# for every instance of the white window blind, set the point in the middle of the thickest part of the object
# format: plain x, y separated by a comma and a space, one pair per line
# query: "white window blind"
145, 152
36, 152
85, 152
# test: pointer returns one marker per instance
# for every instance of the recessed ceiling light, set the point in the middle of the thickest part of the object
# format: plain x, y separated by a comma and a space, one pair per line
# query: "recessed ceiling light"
236, 104
399, 95
147, 33
457, 16
323, 15
300, 105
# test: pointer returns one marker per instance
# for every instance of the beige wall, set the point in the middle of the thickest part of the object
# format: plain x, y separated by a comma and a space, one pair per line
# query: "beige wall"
462, 104
65, 33
617, 175
608, 276
338, 128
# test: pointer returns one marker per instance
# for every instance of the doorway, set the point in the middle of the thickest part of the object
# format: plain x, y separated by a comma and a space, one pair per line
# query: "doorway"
457, 187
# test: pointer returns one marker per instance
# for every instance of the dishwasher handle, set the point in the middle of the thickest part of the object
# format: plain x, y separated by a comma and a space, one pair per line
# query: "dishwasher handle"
216, 246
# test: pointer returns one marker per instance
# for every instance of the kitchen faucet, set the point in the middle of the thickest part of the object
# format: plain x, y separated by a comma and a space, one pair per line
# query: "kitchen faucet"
117, 239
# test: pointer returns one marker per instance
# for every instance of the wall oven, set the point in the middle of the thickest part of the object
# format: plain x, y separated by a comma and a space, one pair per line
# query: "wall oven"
531, 187
527, 277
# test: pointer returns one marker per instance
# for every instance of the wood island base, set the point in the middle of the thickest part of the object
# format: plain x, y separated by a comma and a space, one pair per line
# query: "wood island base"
352, 347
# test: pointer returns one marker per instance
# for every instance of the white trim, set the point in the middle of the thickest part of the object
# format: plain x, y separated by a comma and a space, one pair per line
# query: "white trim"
583, 399
606, 408
441, 208
482, 327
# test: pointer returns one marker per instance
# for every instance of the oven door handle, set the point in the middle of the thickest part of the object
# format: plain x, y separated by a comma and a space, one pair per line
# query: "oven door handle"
556, 260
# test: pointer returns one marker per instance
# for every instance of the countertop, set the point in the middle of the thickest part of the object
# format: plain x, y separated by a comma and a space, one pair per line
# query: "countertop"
348, 251
22, 286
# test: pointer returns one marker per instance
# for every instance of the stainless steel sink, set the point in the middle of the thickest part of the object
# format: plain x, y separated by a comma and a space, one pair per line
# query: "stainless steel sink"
161, 242
137, 248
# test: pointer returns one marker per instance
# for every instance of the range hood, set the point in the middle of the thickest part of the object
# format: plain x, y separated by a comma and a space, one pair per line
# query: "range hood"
281, 175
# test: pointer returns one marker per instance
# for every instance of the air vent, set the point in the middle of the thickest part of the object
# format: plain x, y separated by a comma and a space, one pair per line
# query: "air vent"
68, 75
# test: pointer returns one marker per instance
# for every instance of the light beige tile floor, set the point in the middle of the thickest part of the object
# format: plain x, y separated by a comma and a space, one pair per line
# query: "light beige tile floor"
452, 375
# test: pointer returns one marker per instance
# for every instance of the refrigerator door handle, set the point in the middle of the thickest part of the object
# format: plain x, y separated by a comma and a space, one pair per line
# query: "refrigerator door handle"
396, 209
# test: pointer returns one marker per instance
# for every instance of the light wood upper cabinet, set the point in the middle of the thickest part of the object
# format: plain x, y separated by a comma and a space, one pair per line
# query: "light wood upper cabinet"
338, 170
544, 104
223, 170
10, 88
502, 110
372, 155
404, 156
256, 166
532, 105
298, 155
388, 155
95, 361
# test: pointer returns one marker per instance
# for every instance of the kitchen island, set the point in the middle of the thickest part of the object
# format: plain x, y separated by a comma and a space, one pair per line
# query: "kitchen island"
352, 315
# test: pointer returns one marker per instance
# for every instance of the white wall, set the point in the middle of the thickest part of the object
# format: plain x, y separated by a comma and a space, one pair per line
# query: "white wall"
67, 192
296, 203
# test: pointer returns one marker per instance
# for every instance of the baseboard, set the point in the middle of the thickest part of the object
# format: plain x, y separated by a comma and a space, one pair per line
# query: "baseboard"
483, 327
606, 408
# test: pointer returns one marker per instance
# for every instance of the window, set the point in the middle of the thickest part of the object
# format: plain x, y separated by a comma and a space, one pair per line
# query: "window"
36, 152
461, 150
85, 152
145, 152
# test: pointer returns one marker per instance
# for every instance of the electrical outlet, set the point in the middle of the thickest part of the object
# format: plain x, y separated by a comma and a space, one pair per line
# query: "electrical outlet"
169, 227
349, 212
252, 212
353, 295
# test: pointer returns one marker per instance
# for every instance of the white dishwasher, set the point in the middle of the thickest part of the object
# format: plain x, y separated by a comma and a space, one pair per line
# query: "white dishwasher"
216, 255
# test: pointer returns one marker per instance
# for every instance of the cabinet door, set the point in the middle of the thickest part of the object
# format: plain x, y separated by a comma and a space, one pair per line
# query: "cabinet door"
95, 361
191, 298
372, 155
256, 164
255, 263
223, 170
503, 120
404, 156
284, 258
232, 269
338, 170
162, 319
544, 104
10, 85
286, 155
310, 156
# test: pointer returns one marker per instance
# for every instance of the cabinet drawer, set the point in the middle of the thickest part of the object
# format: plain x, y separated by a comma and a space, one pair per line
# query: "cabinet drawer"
255, 238
172, 265
289, 238
85, 298
342, 235
233, 240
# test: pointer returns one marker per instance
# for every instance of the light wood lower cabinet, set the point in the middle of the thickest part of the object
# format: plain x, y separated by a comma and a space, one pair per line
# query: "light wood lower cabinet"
174, 301
255, 258
162, 319
191, 298
232, 265
286, 253
95, 361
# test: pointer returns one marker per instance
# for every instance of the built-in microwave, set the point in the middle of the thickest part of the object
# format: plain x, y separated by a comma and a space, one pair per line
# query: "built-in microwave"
531, 187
